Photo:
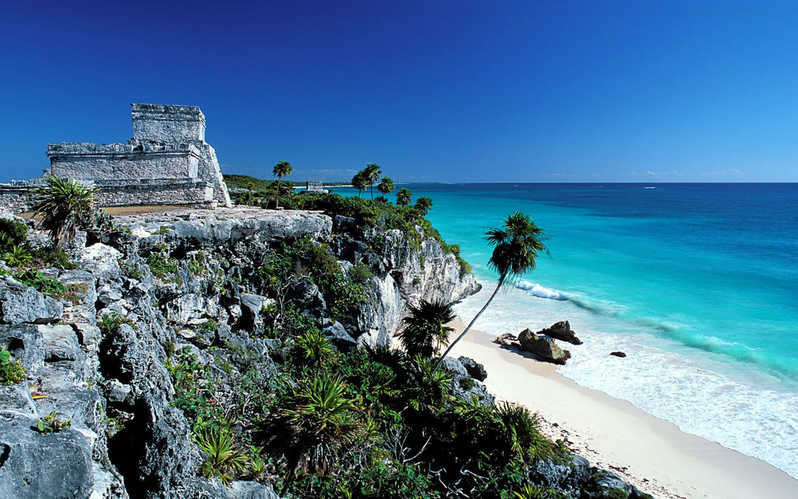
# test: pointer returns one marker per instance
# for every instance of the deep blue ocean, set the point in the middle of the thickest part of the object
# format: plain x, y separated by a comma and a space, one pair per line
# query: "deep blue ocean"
697, 283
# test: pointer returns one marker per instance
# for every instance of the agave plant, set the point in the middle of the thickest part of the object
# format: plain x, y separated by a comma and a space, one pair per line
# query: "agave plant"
313, 346
63, 206
322, 423
425, 329
222, 459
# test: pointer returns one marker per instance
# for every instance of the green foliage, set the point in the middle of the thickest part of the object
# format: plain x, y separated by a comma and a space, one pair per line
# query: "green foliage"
130, 270
196, 267
12, 233
52, 257
360, 273
425, 329
344, 296
423, 205
386, 186
222, 459
403, 196
17, 256
63, 205
51, 424
40, 282
11, 371
160, 264
111, 322
313, 347
208, 327
529, 491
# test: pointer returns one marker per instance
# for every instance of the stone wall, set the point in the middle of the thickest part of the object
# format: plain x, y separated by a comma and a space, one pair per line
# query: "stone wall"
86, 161
14, 198
189, 192
168, 123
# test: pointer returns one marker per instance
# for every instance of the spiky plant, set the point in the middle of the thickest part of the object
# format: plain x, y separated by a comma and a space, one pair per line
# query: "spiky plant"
17, 256
322, 421
313, 347
425, 329
222, 459
63, 205
516, 245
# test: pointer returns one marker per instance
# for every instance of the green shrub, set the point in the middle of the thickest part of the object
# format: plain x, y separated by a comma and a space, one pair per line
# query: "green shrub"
40, 282
160, 264
222, 459
17, 256
208, 327
360, 273
51, 424
11, 371
12, 233
111, 322
64, 206
313, 347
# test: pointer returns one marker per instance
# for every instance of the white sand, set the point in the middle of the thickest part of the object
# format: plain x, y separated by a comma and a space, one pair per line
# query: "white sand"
649, 452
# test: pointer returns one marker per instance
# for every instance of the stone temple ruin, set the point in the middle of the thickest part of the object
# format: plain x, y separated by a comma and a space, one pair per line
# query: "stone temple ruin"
167, 162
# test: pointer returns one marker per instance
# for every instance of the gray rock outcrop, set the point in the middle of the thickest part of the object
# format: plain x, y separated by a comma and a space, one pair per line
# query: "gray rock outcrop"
561, 331
543, 347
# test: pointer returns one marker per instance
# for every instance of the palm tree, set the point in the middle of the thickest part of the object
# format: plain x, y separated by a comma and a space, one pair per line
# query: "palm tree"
63, 205
359, 182
423, 205
403, 196
281, 169
425, 329
515, 247
386, 186
372, 174
321, 422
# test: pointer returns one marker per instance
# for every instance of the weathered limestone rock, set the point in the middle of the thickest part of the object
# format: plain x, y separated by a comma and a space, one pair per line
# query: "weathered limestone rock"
561, 331
474, 368
20, 304
339, 337
543, 347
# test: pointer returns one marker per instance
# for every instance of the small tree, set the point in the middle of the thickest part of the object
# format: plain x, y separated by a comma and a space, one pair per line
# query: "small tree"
371, 174
403, 197
515, 246
423, 205
386, 186
425, 329
281, 169
359, 182
63, 206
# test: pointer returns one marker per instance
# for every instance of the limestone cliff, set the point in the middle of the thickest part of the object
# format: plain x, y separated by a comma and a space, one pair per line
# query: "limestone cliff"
97, 353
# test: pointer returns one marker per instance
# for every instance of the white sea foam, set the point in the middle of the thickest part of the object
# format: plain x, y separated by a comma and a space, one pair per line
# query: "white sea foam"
536, 289
732, 404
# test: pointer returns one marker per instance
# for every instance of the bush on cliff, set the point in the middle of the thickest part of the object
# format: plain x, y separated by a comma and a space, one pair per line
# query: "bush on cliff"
63, 206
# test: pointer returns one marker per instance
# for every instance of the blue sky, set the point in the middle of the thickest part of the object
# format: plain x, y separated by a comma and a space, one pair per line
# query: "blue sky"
432, 91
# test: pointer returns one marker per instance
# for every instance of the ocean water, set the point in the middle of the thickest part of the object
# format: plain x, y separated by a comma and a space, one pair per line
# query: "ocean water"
697, 283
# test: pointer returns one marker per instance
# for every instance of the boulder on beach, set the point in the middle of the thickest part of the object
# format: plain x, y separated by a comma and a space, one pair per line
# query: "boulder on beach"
618, 354
543, 347
561, 331
507, 340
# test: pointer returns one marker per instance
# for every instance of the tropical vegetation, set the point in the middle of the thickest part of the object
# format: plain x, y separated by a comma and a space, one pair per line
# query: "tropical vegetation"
63, 206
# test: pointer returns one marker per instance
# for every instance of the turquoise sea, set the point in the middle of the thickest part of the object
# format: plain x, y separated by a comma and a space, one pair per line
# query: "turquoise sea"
697, 283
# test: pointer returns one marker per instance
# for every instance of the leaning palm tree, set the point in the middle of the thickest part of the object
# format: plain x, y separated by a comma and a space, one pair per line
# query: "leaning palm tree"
425, 329
423, 205
281, 169
321, 423
386, 186
403, 197
63, 205
515, 247
372, 174
359, 182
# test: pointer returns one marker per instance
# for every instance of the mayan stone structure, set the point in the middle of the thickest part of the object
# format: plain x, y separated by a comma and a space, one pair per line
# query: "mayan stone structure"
166, 162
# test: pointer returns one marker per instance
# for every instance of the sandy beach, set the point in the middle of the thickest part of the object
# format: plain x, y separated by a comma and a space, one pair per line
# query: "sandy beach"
649, 452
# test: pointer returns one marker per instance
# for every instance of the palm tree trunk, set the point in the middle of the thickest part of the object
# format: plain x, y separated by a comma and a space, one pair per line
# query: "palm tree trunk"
277, 194
460, 337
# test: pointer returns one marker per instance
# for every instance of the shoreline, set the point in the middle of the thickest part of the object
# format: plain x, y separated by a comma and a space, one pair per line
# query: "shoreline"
651, 453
